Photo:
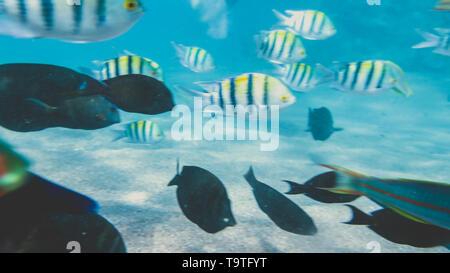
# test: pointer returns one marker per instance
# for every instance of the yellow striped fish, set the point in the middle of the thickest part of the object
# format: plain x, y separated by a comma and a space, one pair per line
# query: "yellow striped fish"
247, 89
310, 24
130, 64
443, 5
142, 132
280, 46
304, 77
194, 58
371, 78
69, 20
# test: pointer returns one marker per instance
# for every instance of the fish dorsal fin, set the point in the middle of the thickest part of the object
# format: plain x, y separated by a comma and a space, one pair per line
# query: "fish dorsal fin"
343, 170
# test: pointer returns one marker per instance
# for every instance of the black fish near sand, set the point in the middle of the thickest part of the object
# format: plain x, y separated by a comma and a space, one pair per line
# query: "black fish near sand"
139, 94
320, 123
203, 199
282, 211
312, 189
401, 230
44, 217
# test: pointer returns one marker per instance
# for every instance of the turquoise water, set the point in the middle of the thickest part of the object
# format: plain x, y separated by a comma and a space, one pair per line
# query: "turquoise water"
386, 135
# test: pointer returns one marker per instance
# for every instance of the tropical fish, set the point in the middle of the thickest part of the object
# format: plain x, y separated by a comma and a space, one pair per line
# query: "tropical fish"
215, 14
443, 5
280, 46
312, 189
303, 77
282, 211
139, 94
395, 228
142, 132
130, 64
85, 112
69, 20
13, 169
203, 199
441, 41
194, 58
245, 90
320, 123
40, 216
310, 24
421, 201
370, 78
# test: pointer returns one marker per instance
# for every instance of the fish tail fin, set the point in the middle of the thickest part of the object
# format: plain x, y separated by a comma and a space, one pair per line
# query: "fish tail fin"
206, 97
96, 74
324, 74
431, 40
296, 188
210, 87
359, 217
250, 177
279, 69
179, 48
281, 17
119, 134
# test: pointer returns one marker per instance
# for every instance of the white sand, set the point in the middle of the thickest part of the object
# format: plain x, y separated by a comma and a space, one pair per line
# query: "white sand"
386, 136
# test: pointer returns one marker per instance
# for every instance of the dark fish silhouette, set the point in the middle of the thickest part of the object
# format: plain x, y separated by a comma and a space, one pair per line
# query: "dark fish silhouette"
139, 94
282, 211
203, 199
43, 217
34, 97
312, 189
320, 124
401, 230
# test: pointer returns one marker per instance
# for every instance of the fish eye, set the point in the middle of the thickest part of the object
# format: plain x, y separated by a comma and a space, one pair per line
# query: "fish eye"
131, 5
284, 98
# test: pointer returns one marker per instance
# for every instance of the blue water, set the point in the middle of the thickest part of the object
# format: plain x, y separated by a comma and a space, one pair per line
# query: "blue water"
386, 135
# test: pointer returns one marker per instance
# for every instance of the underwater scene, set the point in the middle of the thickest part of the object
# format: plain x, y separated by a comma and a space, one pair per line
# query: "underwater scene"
225, 126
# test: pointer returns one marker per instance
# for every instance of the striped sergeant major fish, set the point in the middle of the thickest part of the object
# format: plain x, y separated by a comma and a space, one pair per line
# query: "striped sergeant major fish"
370, 78
13, 169
441, 41
69, 20
443, 5
280, 46
303, 77
128, 65
422, 201
310, 24
194, 58
245, 90
141, 132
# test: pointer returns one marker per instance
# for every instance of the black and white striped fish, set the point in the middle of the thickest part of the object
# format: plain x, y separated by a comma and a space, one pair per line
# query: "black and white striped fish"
194, 58
246, 90
310, 24
304, 77
69, 20
371, 77
280, 46
130, 64
142, 132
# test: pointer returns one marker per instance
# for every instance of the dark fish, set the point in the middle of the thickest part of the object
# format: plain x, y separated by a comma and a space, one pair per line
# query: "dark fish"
312, 189
44, 217
47, 83
401, 230
139, 94
203, 199
282, 211
320, 124
85, 112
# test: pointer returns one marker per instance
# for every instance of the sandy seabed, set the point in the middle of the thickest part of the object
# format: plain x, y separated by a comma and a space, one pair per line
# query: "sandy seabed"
385, 136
